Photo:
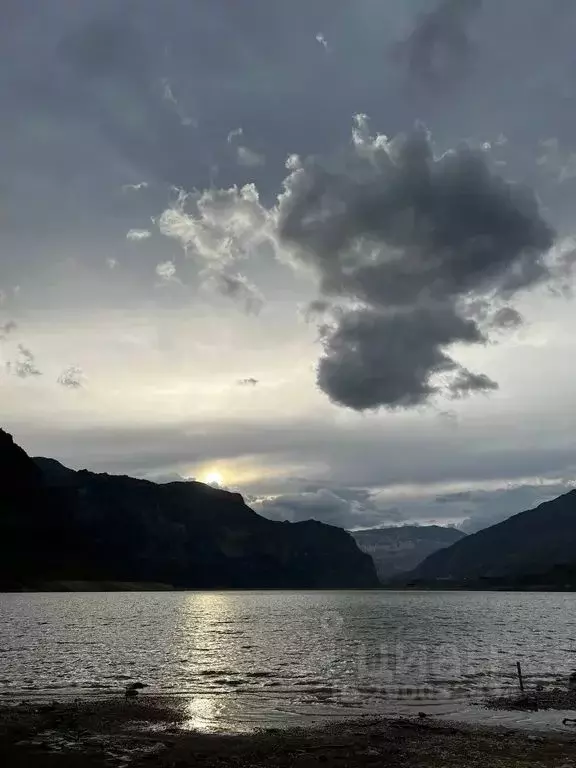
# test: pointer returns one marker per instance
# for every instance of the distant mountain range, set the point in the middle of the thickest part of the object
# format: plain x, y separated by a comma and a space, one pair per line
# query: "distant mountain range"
534, 549
59, 525
400, 549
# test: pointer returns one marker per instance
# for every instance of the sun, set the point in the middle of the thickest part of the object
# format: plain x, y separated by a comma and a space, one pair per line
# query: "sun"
214, 478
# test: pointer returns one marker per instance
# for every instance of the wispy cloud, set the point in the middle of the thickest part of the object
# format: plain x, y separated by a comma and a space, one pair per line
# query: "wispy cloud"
237, 287
137, 235
320, 37
135, 187
168, 95
25, 364
248, 158
223, 225
250, 382
235, 134
72, 377
6, 329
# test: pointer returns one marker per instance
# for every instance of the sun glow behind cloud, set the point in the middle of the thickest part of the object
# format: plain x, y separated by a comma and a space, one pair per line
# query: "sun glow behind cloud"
214, 478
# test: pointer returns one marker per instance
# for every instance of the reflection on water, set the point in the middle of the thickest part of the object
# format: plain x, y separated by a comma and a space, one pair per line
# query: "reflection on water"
202, 612
272, 658
202, 713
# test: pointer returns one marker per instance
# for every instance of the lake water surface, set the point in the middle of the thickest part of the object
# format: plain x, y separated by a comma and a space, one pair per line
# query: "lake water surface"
273, 658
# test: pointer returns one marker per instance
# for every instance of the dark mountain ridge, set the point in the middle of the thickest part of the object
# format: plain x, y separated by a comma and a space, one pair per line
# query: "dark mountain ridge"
58, 524
533, 547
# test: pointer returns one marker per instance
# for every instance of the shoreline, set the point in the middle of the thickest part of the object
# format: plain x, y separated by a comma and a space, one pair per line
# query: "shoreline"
153, 732
72, 586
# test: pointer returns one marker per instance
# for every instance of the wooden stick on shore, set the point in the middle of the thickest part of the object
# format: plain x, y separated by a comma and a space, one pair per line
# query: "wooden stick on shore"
520, 678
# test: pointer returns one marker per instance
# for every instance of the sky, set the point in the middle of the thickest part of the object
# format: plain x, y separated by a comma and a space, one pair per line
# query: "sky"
319, 251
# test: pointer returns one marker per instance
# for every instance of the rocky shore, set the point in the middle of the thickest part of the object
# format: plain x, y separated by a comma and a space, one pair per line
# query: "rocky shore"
533, 701
153, 733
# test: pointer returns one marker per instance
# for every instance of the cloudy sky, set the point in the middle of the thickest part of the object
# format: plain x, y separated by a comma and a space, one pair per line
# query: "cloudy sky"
321, 250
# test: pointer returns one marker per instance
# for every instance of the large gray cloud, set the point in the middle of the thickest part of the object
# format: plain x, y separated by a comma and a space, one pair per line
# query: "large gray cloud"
376, 358
133, 98
343, 507
354, 508
416, 246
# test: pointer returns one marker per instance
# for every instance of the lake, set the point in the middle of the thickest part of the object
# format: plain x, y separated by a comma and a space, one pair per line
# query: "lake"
274, 658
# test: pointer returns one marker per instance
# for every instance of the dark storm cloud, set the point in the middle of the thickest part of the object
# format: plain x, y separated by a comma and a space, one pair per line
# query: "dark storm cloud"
376, 358
398, 225
410, 240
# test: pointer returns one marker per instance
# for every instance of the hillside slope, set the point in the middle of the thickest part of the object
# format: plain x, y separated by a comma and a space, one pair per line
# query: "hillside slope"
523, 548
400, 549
58, 524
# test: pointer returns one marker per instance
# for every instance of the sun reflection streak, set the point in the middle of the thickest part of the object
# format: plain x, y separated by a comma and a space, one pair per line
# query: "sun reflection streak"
208, 651
203, 712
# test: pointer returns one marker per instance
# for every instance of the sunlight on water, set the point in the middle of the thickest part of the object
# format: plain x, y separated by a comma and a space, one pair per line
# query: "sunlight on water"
202, 714
263, 658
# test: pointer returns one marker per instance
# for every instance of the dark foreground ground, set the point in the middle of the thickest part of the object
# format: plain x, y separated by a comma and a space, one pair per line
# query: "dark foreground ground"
150, 733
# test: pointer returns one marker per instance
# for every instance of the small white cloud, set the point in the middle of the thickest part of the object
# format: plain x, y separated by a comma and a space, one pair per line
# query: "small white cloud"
235, 134
166, 271
112, 263
322, 40
136, 235
249, 158
72, 377
135, 187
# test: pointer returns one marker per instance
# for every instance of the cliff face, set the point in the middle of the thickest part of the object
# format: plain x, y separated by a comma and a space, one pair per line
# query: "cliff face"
18, 474
66, 525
